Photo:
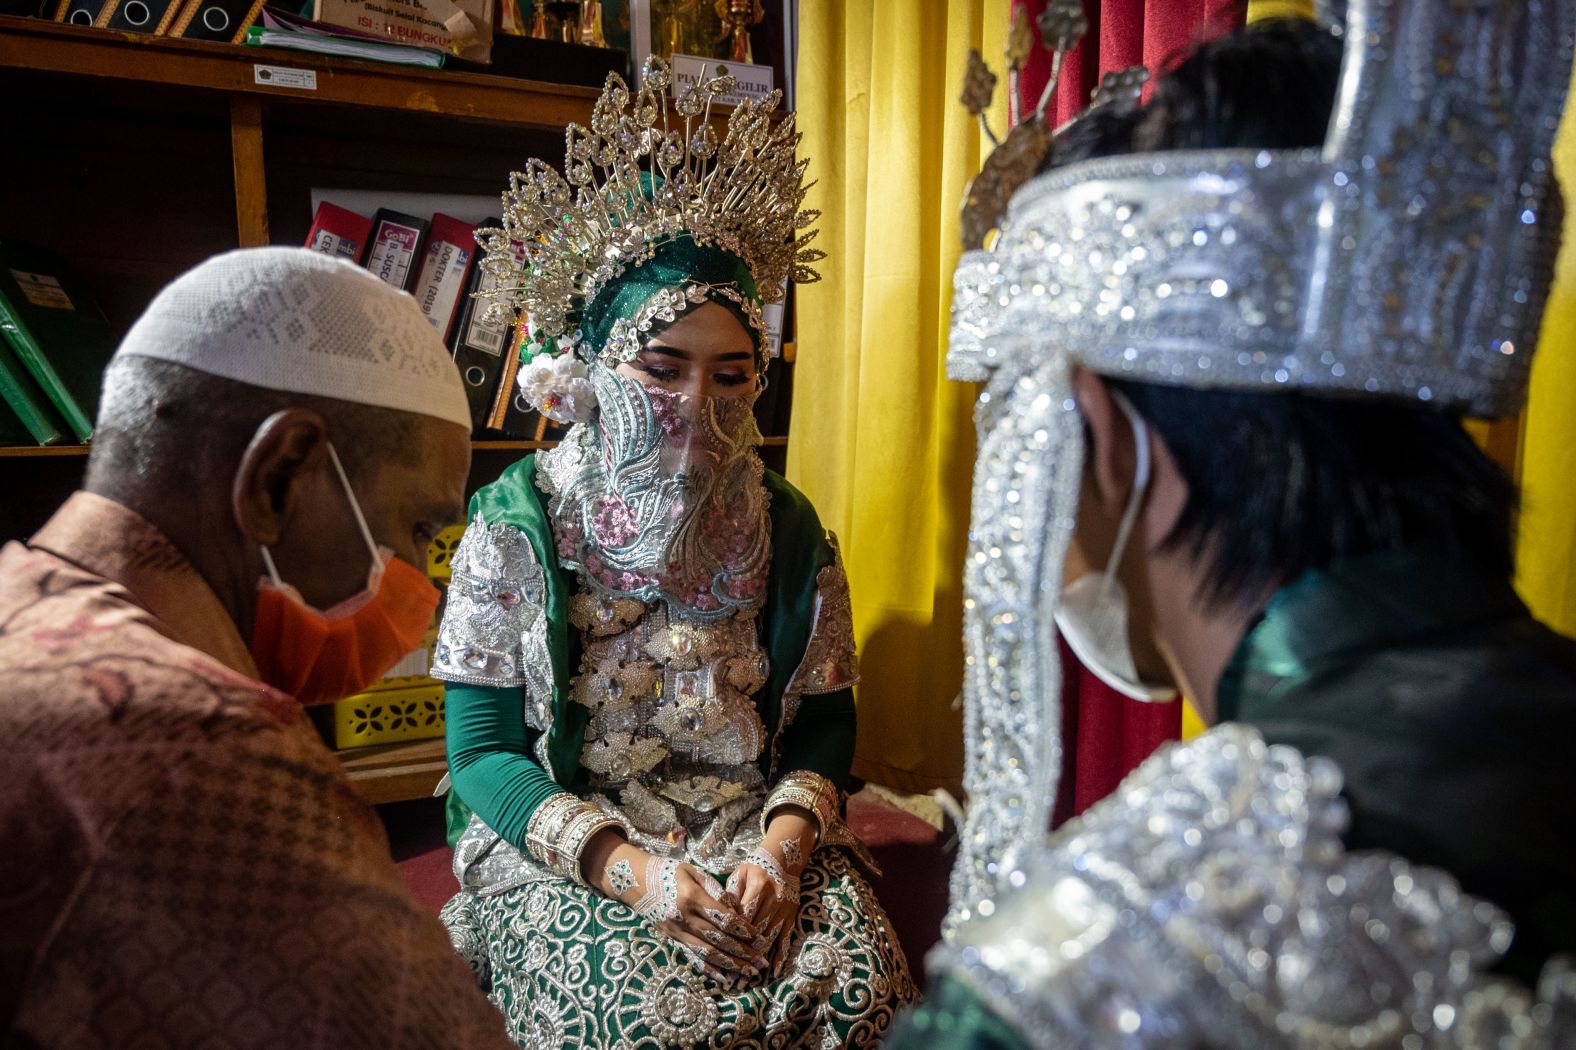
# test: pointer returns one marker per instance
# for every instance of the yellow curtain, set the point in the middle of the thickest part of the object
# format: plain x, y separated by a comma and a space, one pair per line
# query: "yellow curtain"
1258, 9
881, 441
1546, 545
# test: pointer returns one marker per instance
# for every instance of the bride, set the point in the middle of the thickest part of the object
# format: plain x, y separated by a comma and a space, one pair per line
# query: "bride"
648, 644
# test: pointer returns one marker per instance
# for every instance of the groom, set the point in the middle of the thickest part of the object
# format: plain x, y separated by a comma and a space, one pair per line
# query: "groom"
1327, 566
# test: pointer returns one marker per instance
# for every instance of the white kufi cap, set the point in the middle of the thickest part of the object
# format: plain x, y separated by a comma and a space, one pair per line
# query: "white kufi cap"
296, 320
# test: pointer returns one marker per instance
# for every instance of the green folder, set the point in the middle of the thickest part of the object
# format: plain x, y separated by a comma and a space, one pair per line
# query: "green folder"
57, 331
24, 407
12, 432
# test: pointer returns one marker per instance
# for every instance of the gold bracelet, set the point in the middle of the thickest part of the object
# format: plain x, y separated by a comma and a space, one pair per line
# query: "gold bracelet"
559, 830
809, 791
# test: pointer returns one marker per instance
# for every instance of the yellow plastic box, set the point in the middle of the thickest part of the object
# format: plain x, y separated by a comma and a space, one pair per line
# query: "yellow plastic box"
389, 716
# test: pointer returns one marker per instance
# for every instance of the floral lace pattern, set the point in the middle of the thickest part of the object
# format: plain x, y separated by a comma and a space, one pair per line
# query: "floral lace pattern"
567, 967
661, 498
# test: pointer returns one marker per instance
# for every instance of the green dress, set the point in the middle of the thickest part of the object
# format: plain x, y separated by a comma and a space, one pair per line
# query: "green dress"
678, 730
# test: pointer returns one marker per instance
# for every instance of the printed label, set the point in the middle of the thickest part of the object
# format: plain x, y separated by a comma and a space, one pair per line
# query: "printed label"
480, 335
772, 313
442, 278
42, 290
392, 253
750, 81
285, 77
333, 244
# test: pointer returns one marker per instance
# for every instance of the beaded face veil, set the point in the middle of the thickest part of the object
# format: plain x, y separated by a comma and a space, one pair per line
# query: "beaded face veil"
1409, 259
655, 495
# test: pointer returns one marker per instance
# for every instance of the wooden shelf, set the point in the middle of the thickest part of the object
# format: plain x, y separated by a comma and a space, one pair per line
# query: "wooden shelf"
487, 445
35, 44
43, 450
395, 772
495, 446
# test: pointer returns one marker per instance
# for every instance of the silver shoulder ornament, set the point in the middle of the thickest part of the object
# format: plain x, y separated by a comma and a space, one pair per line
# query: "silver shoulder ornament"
494, 629
1209, 902
831, 659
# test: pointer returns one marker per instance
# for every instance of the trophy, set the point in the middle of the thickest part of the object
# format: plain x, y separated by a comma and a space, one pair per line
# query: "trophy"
737, 18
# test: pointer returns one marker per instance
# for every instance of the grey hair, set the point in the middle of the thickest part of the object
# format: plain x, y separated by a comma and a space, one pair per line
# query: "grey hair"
163, 425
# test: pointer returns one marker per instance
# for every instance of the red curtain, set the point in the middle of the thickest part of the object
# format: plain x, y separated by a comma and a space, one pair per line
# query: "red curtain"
1122, 33
1105, 734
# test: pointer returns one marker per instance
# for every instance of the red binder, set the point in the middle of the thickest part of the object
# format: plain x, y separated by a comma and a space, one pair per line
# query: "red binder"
339, 232
445, 270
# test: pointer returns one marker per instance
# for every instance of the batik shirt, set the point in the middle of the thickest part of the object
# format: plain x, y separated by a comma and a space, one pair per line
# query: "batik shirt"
185, 863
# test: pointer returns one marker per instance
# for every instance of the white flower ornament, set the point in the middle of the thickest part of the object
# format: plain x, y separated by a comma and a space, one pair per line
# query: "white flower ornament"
557, 385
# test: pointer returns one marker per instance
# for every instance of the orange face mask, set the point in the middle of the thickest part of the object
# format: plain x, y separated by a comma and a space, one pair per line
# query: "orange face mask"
317, 656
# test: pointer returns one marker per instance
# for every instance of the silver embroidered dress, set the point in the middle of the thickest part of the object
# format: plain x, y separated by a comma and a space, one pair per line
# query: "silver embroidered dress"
675, 752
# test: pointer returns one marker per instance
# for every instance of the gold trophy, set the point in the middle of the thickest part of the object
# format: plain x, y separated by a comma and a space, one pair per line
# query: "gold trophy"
674, 21
591, 24
737, 18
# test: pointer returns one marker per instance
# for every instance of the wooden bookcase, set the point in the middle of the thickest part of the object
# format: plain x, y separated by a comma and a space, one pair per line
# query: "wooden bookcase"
137, 157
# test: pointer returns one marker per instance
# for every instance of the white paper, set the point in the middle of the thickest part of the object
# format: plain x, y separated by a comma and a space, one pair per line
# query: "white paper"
753, 81
285, 77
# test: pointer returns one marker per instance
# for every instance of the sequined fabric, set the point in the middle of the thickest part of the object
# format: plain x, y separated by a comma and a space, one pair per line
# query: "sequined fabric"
569, 967
1411, 258
661, 498
494, 628
1210, 902
1026, 486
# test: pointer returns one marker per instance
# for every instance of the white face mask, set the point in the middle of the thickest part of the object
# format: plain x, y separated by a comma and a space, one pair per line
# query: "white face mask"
1092, 612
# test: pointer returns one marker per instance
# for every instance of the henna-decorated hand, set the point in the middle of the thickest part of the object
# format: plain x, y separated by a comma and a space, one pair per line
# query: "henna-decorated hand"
767, 883
690, 908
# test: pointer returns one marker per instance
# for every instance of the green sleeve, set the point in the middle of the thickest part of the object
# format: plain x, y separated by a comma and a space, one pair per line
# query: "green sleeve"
821, 738
490, 759
952, 1018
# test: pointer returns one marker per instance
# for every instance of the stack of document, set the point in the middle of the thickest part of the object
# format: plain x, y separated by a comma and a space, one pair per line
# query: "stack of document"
282, 29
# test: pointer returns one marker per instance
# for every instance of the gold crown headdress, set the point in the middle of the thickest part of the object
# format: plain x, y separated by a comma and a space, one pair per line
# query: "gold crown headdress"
633, 182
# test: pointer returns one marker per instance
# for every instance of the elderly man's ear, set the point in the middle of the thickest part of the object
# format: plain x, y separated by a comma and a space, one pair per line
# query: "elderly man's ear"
288, 452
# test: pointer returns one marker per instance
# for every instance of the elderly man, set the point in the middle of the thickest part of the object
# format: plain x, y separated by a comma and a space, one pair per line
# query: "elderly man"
185, 863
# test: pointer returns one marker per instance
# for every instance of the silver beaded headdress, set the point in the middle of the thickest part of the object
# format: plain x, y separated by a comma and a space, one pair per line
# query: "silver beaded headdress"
1410, 258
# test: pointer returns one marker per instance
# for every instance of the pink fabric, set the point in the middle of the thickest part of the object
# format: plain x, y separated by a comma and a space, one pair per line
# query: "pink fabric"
1107, 735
